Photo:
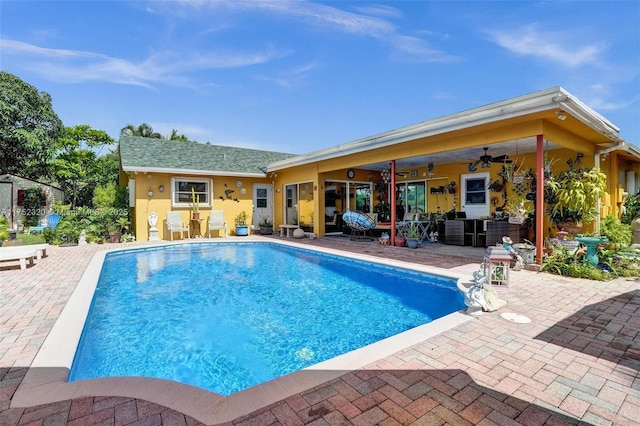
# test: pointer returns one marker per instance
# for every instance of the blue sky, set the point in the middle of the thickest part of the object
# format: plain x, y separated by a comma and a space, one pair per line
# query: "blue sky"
297, 76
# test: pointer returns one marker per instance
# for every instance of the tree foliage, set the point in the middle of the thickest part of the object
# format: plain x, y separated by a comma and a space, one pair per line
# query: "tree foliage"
144, 130
79, 170
29, 128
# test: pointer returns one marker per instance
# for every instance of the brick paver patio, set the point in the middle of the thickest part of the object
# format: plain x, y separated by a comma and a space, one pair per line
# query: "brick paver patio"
576, 362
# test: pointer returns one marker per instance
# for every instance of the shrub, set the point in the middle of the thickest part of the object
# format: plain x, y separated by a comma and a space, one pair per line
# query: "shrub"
631, 208
611, 265
616, 231
4, 229
32, 204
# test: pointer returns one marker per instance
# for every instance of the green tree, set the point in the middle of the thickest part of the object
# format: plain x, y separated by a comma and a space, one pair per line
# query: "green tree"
29, 128
144, 130
79, 170
174, 136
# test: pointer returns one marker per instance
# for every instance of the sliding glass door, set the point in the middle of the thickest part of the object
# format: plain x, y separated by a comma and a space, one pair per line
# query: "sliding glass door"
299, 202
411, 197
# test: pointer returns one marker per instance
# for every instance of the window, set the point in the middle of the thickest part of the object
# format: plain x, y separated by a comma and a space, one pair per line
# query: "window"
181, 191
476, 191
261, 198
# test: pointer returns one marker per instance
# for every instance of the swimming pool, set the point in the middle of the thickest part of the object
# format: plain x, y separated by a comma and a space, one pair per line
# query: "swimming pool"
245, 313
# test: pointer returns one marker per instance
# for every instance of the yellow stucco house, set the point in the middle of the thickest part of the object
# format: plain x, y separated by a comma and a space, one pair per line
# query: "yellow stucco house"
455, 163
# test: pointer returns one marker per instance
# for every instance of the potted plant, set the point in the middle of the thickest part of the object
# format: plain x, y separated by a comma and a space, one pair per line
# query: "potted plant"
519, 210
400, 241
413, 235
195, 203
572, 196
116, 227
266, 226
242, 229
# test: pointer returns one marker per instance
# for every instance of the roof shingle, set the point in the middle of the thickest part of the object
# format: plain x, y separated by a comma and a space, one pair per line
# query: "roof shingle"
138, 153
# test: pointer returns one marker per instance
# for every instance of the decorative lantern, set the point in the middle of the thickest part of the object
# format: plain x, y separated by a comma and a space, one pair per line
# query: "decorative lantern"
497, 261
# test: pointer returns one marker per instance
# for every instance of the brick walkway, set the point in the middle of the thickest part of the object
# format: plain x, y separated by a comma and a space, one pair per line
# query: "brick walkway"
577, 362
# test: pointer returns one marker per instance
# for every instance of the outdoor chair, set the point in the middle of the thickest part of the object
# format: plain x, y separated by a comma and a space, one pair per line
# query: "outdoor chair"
217, 222
175, 224
360, 224
52, 220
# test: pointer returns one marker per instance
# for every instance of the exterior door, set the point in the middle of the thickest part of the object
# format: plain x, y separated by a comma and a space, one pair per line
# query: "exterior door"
474, 196
262, 202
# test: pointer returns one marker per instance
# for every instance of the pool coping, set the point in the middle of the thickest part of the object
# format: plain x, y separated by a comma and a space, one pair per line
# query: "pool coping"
45, 381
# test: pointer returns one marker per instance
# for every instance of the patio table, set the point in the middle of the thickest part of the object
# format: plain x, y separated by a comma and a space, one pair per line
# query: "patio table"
423, 225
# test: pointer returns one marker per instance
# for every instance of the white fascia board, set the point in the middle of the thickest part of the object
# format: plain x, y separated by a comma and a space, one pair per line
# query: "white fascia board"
549, 99
527, 104
632, 150
191, 172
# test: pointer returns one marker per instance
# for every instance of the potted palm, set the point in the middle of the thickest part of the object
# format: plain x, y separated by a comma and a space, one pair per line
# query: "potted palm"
266, 226
413, 236
242, 229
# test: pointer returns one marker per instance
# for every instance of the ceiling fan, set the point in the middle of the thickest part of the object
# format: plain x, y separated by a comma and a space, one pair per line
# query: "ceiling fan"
486, 160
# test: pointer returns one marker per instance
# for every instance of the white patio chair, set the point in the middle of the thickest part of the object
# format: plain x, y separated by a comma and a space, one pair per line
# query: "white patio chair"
175, 224
217, 222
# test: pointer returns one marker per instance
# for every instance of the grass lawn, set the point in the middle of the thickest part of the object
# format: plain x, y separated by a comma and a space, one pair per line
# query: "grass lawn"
28, 239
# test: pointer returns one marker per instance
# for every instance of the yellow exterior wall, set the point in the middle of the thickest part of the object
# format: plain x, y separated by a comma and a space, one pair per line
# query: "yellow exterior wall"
160, 202
445, 173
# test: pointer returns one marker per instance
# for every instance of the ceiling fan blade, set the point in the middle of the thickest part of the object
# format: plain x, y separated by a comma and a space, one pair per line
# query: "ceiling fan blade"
500, 158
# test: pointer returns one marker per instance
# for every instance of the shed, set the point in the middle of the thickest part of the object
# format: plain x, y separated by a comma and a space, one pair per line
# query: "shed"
12, 189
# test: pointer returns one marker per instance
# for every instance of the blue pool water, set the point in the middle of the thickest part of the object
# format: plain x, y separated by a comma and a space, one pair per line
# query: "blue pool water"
225, 317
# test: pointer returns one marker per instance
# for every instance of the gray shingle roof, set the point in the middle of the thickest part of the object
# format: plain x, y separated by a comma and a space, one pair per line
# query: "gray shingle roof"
147, 154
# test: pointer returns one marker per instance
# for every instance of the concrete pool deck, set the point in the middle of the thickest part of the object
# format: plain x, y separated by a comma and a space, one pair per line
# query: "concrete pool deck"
577, 361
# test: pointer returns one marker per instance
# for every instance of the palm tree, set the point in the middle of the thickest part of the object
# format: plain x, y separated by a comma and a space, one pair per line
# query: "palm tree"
174, 136
144, 130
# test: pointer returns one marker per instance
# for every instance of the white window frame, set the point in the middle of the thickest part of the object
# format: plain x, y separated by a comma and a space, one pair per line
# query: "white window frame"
208, 191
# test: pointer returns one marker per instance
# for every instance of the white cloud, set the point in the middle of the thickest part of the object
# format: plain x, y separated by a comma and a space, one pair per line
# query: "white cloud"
380, 10
328, 18
550, 45
291, 79
166, 68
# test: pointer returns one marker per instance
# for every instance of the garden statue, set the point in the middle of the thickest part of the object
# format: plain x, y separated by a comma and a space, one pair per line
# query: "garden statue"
83, 238
153, 231
480, 297
518, 262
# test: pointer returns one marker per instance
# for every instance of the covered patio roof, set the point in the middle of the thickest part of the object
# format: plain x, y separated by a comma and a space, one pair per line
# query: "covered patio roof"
562, 112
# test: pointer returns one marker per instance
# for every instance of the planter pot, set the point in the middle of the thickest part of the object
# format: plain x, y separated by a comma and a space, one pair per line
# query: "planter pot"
266, 230
412, 243
196, 215
115, 238
399, 241
242, 230
573, 228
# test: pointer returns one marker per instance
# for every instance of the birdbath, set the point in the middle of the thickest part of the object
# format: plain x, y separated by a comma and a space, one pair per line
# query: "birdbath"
591, 243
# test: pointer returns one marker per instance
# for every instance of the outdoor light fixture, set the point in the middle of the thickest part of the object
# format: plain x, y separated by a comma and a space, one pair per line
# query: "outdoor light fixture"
161, 188
561, 115
486, 164
150, 193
